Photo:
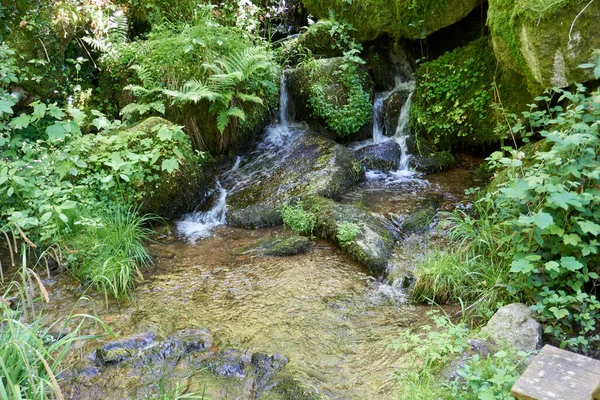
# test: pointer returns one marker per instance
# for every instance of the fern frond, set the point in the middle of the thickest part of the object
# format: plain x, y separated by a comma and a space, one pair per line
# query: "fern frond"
223, 119
250, 98
192, 91
236, 112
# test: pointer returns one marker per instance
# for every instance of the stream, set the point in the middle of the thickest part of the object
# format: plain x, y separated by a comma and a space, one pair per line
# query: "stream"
320, 311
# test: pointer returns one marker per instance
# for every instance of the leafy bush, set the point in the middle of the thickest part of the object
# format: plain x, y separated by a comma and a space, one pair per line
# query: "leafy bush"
346, 232
432, 350
299, 220
552, 205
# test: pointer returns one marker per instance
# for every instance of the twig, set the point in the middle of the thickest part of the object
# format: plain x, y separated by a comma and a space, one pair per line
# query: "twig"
575, 20
45, 51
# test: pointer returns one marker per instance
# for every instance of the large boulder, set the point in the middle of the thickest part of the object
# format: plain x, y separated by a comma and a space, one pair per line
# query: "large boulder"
374, 237
453, 104
400, 19
545, 44
311, 164
514, 325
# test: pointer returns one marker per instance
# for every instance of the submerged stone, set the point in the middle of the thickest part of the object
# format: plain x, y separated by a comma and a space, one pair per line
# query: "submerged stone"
284, 246
419, 220
116, 352
181, 343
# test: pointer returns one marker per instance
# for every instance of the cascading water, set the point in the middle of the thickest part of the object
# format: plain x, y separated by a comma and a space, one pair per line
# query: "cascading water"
198, 225
277, 138
402, 135
378, 123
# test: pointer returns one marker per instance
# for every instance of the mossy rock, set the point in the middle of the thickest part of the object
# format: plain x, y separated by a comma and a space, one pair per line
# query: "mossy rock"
170, 195
318, 40
433, 162
418, 221
314, 164
397, 18
284, 246
545, 41
453, 106
373, 244
325, 74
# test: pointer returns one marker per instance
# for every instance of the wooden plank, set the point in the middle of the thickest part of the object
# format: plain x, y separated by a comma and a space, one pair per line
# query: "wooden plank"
556, 374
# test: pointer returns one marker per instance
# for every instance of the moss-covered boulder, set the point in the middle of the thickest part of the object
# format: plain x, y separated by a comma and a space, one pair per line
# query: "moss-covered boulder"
545, 41
372, 242
454, 104
317, 38
398, 18
168, 59
332, 93
312, 164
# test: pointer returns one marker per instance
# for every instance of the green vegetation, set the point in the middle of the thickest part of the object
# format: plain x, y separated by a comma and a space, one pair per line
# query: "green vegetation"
299, 220
534, 233
346, 232
433, 350
341, 98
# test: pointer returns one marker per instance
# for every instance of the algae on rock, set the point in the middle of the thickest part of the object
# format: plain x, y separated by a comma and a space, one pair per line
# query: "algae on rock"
545, 41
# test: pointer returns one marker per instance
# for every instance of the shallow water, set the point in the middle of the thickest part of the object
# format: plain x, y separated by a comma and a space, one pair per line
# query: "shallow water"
321, 310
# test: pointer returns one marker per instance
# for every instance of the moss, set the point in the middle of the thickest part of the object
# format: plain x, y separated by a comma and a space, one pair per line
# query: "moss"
419, 220
318, 40
285, 246
454, 101
534, 38
398, 18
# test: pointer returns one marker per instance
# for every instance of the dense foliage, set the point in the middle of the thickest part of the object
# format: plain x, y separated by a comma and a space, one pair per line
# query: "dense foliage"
537, 226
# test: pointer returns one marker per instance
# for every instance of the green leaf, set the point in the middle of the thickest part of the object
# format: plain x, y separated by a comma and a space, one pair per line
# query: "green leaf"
165, 133
589, 227
55, 132
106, 179
170, 165
521, 265
69, 204
572, 239
22, 121
543, 220
559, 313
63, 218
571, 263
6, 107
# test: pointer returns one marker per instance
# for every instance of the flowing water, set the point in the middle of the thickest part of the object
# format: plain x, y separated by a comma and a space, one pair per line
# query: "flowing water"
321, 310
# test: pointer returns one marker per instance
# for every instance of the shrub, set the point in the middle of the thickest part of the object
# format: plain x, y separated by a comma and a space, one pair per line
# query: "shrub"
299, 220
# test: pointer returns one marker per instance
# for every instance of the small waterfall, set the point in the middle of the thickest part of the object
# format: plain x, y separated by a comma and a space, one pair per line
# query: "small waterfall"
378, 114
277, 138
402, 134
198, 225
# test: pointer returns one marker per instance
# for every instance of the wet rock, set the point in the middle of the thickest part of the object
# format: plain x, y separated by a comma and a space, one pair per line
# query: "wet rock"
382, 156
476, 347
319, 41
391, 109
372, 246
290, 389
116, 352
181, 343
284, 246
433, 162
313, 164
419, 220
268, 364
231, 363
515, 326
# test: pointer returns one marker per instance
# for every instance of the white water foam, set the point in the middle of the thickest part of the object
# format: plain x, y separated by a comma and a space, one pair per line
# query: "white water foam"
198, 225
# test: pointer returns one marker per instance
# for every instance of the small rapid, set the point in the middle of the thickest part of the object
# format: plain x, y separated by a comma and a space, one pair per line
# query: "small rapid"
199, 225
